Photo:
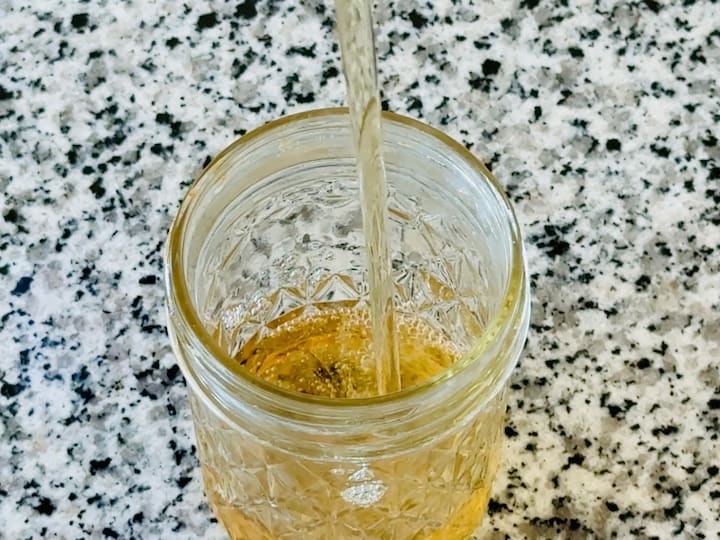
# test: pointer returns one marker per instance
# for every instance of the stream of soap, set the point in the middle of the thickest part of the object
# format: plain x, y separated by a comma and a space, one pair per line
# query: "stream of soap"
357, 46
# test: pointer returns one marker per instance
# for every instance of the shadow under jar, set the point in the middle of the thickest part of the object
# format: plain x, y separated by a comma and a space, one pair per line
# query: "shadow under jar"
270, 233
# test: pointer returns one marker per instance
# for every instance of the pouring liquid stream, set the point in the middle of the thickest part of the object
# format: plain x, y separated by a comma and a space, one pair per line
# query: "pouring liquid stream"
357, 46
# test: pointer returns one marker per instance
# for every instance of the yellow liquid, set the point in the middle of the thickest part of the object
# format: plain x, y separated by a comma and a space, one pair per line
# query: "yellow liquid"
465, 521
357, 44
436, 492
329, 353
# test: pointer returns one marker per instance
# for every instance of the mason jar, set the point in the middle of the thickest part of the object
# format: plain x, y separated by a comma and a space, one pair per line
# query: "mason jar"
273, 228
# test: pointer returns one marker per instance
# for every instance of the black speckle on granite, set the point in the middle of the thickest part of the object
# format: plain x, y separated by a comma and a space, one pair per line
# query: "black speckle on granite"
417, 19
292, 95
183, 481
79, 21
662, 151
167, 119
642, 283
207, 20
613, 145
99, 465
11, 215
246, 9
653, 5
45, 506
490, 67
551, 241
643, 363
22, 286
162, 150
575, 459
97, 188
330, 73
307, 52
5, 94
10, 390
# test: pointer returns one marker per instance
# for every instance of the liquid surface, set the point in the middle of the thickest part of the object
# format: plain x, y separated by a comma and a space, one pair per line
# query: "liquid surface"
329, 353
357, 45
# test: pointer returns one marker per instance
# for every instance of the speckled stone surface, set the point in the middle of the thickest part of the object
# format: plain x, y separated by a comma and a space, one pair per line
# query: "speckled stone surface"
602, 121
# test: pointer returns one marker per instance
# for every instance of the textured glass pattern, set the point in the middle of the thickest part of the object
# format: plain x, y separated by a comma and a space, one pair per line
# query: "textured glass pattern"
437, 492
303, 245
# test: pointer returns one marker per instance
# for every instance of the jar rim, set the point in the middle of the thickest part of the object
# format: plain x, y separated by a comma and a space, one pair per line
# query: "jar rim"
177, 287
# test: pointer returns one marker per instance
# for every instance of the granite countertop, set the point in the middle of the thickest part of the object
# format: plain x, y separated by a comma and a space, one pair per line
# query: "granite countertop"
601, 120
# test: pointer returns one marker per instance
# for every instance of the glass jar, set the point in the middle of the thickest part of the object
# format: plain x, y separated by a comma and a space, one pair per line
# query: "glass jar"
272, 227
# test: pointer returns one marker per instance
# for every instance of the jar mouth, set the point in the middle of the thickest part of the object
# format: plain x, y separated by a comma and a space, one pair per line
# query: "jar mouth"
480, 351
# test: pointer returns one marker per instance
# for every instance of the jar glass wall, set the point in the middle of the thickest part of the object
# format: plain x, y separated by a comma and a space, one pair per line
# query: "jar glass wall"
272, 231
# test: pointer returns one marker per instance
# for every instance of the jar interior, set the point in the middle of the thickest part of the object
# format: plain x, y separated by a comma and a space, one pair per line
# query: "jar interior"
279, 232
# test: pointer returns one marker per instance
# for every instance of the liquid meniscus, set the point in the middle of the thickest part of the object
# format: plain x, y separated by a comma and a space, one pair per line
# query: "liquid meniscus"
329, 353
